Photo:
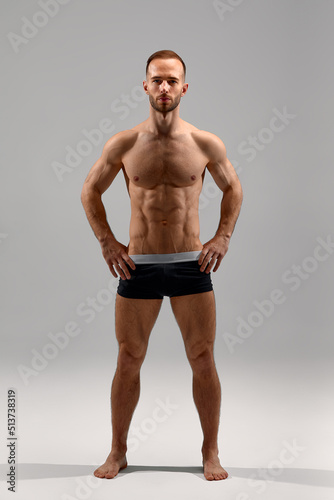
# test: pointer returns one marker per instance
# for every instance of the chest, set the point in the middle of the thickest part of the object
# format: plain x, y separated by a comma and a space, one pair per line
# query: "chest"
176, 162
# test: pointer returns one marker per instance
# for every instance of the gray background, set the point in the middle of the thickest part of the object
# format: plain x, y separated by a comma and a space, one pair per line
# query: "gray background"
256, 57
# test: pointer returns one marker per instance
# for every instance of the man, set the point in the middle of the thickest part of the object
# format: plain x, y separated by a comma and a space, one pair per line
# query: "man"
163, 160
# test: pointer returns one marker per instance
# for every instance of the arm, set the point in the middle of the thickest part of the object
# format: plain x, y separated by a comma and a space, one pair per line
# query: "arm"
97, 182
227, 180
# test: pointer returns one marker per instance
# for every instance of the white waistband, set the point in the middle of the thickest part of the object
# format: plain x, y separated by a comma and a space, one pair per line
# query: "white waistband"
165, 258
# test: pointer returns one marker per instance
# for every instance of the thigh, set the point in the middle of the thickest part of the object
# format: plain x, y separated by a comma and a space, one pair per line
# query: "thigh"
134, 320
196, 317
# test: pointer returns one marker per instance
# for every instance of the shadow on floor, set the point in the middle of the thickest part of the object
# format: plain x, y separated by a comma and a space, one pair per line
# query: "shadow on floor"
311, 477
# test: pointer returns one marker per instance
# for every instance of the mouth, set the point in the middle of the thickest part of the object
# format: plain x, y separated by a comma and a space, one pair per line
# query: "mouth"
164, 99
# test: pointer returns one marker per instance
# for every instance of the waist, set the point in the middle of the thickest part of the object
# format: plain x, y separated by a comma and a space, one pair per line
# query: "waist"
165, 258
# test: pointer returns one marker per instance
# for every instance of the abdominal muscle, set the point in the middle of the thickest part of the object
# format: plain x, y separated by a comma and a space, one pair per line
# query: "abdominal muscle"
164, 220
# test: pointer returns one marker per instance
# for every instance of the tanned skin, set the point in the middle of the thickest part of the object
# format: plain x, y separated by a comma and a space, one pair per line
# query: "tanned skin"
163, 160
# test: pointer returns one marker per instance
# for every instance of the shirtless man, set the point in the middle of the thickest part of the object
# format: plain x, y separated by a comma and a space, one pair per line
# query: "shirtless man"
163, 160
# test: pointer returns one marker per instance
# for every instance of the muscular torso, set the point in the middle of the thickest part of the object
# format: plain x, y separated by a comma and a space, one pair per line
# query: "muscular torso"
164, 178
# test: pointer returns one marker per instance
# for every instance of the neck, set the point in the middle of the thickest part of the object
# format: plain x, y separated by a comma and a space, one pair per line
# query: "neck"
164, 123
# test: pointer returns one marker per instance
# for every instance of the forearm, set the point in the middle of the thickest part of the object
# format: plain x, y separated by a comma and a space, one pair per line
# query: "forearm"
230, 209
96, 214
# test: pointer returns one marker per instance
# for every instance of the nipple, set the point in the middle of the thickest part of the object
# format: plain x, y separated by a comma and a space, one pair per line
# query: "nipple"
193, 177
136, 178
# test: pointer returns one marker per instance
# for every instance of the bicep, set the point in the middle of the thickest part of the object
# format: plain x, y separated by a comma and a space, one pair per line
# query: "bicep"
220, 167
105, 169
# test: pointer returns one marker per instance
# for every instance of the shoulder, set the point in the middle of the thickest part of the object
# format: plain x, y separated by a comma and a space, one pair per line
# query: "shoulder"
120, 143
122, 139
210, 143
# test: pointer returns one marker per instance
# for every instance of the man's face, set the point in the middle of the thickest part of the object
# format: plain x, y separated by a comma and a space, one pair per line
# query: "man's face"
165, 84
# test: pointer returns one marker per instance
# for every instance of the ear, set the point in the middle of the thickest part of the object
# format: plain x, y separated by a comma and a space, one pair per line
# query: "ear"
184, 89
145, 85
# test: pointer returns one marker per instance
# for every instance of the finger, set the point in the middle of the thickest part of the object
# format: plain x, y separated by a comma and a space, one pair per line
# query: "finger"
206, 261
129, 261
111, 268
109, 264
124, 267
201, 257
220, 258
115, 275
120, 270
211, 263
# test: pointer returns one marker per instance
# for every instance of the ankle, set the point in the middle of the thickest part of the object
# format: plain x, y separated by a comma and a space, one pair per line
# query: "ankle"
209, 451
118, 449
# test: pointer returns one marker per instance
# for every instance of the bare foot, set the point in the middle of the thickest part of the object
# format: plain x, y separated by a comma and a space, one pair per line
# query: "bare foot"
111, 467
213, 471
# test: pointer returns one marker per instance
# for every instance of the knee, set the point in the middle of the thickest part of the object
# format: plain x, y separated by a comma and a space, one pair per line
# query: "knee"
202, 360
130, 358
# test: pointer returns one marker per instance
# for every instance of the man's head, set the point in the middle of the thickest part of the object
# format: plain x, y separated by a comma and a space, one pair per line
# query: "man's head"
165, 77
166, 54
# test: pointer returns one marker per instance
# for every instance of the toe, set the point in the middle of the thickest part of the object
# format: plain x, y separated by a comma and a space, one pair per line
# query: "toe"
110, 474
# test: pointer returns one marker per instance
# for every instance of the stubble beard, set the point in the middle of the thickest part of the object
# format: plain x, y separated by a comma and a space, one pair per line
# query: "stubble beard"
163, 109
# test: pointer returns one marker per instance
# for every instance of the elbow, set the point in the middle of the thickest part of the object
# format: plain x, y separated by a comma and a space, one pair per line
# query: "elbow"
89, 193
235, 190
86, 192
241, 193
83, 195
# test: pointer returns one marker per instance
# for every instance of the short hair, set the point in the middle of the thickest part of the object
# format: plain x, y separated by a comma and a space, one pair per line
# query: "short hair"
166, 54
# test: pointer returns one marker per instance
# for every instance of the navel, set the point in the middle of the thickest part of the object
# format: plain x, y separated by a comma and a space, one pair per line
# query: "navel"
193, 177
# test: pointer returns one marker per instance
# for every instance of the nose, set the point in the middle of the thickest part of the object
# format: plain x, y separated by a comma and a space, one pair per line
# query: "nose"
164, 87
